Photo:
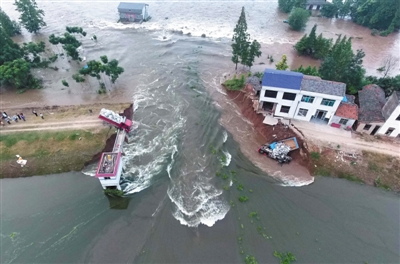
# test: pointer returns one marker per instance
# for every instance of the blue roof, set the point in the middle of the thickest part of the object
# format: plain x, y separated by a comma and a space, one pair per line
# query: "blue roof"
282, 79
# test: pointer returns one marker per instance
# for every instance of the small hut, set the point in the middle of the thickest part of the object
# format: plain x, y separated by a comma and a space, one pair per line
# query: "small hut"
133, 12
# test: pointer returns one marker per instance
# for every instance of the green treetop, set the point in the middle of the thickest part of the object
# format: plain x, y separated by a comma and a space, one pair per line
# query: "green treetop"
240, 40
282, 65
31, 16
11, 27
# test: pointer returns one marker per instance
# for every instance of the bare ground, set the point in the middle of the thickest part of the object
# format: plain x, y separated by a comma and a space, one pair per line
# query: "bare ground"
356, 157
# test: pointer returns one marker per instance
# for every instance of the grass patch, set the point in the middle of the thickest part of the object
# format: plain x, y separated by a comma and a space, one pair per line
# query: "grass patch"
284, 258
350, 177
373, 167
48, 152
315, 155
322, 171
240, 187
235, 84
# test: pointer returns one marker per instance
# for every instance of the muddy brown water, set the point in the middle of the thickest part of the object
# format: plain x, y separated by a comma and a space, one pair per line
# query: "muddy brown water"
175, 154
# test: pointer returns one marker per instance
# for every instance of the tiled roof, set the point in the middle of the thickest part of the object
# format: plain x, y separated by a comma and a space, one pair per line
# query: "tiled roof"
347, 110
255, 82
323, 87
350, 98
282, 79
371, 99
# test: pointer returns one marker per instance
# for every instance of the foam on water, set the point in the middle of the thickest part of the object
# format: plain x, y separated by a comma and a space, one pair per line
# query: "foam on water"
225, 134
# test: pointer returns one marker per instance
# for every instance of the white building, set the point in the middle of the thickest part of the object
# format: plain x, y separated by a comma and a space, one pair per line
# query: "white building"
391, 112
294, 95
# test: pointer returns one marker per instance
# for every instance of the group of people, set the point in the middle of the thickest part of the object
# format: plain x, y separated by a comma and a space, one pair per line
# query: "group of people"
7, 118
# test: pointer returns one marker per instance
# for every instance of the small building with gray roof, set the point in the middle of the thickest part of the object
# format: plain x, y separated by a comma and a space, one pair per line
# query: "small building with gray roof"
133, 12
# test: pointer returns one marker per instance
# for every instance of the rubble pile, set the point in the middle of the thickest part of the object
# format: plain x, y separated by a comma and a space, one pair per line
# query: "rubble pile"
279, 150
112, 116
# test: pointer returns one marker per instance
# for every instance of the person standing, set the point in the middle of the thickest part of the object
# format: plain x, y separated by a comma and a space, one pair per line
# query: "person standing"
41, 115
8, 121
22, 116
15, 118
4, 115
19, 117
34, 112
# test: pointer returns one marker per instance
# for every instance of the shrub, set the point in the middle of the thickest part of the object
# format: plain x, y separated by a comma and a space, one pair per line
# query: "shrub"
235, 84
285, 258
250, 260
298, 18
243, 198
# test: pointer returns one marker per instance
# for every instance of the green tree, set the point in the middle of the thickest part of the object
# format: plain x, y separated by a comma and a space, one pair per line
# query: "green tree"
313, 46
17, 73
298, 18
240, 40
9, 50
313, 71
342, 65
31, 54
31, 16
11, 27
78, 30
329, 10
287, 5
69, 43
113, 70
254, 51
282, 65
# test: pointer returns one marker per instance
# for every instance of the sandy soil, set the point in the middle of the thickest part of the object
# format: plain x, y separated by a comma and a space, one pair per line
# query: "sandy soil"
59, 117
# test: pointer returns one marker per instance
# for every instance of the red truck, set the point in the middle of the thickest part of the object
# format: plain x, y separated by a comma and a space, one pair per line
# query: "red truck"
118, 121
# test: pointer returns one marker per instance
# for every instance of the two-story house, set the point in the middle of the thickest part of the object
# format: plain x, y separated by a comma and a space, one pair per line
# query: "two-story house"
293, 95
391, 112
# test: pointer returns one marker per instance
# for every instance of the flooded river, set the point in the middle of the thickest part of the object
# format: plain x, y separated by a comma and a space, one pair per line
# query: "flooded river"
177, 210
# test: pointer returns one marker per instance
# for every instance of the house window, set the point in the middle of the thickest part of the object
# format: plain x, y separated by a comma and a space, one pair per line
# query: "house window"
367, 127
343, 121
271, 94
308, 99
389, 131
327, 102
398, 118
285, 109
289, 96
302, 112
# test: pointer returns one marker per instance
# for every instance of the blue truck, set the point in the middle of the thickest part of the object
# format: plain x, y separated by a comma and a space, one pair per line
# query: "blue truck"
279, 150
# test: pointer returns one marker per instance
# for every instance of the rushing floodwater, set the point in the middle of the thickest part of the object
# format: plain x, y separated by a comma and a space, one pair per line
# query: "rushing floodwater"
175, 154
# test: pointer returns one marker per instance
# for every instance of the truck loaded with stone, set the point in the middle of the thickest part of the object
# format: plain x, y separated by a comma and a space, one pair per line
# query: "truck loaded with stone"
279, 150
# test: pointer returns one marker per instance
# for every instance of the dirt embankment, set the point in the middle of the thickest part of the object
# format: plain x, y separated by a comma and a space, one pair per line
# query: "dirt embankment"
270, 133
53, 148
321, 160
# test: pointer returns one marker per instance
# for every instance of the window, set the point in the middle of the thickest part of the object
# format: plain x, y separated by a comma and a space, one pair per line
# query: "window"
302, 112
398, 118
367, 127
271, 94
308, 99
289, 96
327, 102
343, 121
389, 131
285, 109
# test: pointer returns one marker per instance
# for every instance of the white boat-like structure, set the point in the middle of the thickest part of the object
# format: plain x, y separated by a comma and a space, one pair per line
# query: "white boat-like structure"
110, 165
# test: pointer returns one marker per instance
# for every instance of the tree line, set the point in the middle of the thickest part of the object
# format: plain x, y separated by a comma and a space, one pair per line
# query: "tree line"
383, 16
340, 63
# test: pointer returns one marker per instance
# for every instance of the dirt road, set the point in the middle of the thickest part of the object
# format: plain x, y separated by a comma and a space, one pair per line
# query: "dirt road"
344, 140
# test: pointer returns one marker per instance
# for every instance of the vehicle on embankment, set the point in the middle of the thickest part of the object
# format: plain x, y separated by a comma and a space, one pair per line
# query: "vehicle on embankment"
279, 150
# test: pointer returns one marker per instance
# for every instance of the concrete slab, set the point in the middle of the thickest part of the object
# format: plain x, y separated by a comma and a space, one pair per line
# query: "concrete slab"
270, 120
